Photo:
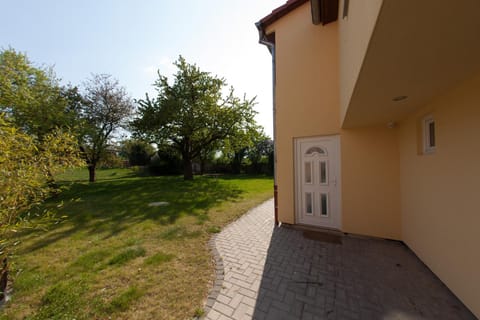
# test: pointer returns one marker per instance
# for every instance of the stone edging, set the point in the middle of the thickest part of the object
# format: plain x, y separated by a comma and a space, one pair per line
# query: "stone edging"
219, 276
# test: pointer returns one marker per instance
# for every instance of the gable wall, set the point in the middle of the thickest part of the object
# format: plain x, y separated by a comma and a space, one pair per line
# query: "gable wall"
306, 92
307, 104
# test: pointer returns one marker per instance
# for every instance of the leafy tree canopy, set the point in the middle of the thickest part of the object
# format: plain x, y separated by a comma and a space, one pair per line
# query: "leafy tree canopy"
106, 108
192, 113
32, 97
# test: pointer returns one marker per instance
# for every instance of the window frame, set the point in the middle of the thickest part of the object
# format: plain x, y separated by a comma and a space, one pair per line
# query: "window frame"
345, 9
428, 147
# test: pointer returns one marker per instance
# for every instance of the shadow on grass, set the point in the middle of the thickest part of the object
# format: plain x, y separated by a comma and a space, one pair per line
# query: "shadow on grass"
109, 207
102, 175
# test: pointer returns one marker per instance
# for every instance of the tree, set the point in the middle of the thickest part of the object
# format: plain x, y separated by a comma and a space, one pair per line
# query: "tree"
207, 155
166, 161
32, 97
33, 100
25, 167
138, 152
106, 108
261, 152
238, 145
191, 114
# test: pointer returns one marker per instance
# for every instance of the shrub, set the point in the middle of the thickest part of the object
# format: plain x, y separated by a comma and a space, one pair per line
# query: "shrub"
137, 152
165, 163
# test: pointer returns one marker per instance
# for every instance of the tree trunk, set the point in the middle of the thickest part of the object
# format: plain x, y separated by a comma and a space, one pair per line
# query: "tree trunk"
202, 166
91, 173
237, 163
187, 168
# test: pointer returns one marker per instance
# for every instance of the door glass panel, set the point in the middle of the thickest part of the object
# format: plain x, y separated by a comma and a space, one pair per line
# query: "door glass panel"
324, 204
316, 150
308, 203
323, 172
308, 172
431, 136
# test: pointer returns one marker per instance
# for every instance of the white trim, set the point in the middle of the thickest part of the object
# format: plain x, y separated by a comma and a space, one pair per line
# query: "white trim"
339, 181
308, 173
427, 147
312, 203
345, 9
327, 204
334, 158
327, 166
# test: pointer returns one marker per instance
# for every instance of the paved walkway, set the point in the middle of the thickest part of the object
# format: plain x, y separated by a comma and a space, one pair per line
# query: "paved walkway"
276, 273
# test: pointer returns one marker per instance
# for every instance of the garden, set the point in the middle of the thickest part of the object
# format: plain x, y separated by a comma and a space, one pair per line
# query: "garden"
127, 247
107, 203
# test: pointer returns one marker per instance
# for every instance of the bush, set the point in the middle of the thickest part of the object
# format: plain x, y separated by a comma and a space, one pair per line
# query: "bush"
27, 167
111, 161
165, 163
137, 152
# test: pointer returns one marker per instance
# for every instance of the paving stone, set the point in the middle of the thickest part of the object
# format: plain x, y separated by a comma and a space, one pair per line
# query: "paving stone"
241, 312
247, 292
224, 299
280, 305
213, 315
267, 272
249, 301
223, 308
235, 302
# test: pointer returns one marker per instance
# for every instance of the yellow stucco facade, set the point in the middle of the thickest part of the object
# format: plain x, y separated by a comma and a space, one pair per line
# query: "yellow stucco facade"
370, 182
306, 93
355, 33
389, 187
440, 191
308, 104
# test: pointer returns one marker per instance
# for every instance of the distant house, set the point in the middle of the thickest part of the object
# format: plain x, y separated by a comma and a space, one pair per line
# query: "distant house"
377, 125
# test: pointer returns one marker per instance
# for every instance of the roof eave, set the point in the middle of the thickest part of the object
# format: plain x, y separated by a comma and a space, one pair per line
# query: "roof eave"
263, 38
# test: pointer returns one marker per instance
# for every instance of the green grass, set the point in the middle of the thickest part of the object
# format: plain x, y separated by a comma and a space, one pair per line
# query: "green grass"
92, 260
159, 258
127, 255
117, 256
214, 229
62, 301
124, 300
81, 175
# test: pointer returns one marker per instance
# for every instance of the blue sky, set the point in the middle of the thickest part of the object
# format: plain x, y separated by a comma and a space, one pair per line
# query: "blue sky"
131, 39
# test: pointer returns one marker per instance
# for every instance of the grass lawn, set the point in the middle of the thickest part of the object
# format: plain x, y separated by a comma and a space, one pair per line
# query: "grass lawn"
116, 257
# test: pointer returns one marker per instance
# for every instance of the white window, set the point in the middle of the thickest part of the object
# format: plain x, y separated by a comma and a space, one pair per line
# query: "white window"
429, 139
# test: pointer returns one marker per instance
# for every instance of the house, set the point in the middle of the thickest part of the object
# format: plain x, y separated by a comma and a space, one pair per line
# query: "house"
377, 125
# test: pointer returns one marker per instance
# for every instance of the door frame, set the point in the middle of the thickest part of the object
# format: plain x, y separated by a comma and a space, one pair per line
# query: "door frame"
335, 158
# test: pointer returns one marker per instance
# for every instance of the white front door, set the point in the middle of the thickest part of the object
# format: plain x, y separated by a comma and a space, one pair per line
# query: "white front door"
317, 169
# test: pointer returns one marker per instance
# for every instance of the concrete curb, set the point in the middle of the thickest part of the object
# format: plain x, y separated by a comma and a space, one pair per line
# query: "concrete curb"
219, 276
